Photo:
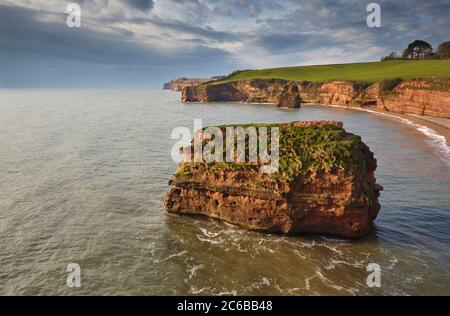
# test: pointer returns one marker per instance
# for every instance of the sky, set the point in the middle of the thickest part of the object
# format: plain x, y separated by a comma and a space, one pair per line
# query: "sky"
143, 43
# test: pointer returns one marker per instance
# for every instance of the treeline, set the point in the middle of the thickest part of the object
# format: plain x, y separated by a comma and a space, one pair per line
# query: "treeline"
237, 71
421, 50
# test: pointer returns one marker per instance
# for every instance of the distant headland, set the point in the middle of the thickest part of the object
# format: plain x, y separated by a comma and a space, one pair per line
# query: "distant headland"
180, 83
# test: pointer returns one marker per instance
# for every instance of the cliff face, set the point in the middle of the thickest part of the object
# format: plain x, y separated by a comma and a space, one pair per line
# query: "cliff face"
431, 97
424, 97
277, 91
325, 184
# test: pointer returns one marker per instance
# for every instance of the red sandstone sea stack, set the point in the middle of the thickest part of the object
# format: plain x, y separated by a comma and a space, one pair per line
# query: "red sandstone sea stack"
325, 184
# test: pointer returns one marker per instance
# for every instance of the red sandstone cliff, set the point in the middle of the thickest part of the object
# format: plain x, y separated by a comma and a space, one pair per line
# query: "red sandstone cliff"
431, 97
280, 92
421, 96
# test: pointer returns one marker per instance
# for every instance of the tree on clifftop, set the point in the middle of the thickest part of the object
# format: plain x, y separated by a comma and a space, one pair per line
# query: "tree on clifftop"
443, 50
391, 56
418, 50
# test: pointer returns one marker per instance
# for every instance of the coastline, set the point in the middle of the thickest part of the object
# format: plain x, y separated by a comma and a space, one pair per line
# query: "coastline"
440, 126
437, 121
127, 180
424, 96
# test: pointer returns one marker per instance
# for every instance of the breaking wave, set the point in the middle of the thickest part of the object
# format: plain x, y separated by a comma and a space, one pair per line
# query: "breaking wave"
436, 140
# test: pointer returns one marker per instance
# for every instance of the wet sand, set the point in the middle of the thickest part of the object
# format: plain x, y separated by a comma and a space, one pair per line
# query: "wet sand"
440, 125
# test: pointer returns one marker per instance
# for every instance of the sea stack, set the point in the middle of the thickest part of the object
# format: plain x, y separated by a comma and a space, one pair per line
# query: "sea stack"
324, 184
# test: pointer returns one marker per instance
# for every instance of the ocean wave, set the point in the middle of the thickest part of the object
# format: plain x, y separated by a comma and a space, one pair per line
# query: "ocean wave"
193, 270
210, 240
209, 234
437, 140
329, 283
182, 253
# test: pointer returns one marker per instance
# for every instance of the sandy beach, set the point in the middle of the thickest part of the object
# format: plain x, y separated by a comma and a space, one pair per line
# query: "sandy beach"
437, 124
440, 125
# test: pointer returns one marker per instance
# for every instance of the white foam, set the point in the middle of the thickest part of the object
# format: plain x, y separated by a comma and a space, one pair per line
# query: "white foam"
341, 262
193, 270
208, 233
332, 248
227, 293
210, 240
172, 256
196, 291
393, 262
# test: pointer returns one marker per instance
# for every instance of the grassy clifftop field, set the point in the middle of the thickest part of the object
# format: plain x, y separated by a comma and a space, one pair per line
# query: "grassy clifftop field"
368, 72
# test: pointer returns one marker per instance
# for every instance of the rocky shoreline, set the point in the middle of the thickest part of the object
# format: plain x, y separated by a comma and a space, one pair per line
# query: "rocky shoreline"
425, 97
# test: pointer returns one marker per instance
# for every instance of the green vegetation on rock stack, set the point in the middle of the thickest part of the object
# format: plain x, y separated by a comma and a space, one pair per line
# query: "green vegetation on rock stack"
367, 72
305, 148
318, 148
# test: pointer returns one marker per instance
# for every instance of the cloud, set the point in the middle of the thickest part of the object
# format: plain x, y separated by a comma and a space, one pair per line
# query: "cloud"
32, 45
141, 4
152, 40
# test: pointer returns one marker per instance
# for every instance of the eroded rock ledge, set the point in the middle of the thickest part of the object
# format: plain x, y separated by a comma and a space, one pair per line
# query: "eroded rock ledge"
325, 184
421, 96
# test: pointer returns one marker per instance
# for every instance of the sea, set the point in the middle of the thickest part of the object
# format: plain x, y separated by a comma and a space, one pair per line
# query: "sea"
83, 176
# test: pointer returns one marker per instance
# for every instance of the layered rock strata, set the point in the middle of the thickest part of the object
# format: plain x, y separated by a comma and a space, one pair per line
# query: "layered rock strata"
421, 96
325, 184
